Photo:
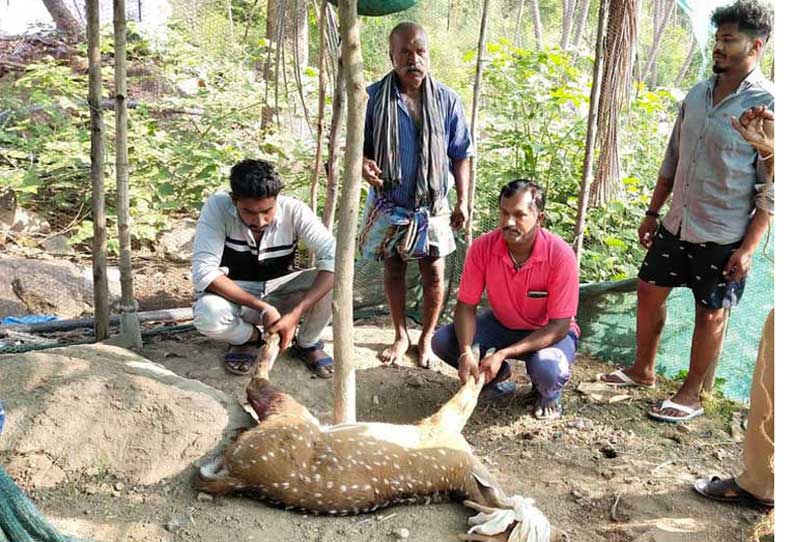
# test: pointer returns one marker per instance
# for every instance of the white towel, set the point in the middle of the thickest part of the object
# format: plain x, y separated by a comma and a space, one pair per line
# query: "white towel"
532, 524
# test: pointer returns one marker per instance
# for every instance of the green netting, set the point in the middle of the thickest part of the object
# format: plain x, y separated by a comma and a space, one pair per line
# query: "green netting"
376, 8
20, 520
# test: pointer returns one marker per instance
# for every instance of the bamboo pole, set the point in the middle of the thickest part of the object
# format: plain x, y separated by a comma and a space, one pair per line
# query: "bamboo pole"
592, 128
101, 294
474, 109
318, 152
352, 63
130, 327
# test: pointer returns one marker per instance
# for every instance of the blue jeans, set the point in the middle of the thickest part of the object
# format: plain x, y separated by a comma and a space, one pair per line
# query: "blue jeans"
549, 368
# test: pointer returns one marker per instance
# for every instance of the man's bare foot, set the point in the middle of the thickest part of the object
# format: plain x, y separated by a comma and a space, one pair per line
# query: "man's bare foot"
690, 402
630, 377
425, 351
395, 352
547, 410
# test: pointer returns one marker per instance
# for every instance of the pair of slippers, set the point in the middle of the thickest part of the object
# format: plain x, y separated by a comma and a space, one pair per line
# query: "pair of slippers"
240, 360
620, 379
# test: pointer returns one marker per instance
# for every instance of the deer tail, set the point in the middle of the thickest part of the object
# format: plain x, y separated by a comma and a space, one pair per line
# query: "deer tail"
213, 478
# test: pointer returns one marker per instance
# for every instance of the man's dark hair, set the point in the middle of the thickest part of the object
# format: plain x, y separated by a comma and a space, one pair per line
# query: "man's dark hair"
255, 179
405, 27
753, 18
519, 186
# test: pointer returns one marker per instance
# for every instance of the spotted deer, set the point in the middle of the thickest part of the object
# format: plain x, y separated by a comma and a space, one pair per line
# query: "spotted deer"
289, 459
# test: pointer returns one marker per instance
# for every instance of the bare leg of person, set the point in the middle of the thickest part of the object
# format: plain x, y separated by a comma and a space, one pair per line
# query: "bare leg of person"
432, 271
394, 284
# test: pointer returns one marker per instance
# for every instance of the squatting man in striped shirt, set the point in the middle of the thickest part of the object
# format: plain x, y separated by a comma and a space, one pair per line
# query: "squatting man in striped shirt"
415, 136
244, 271
722, 201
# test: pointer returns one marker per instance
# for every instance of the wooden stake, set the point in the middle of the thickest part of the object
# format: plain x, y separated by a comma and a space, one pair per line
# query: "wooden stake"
352, 64
101, 295
592, 128
474, 109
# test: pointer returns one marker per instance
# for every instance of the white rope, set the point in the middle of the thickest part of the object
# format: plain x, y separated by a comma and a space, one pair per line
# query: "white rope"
532, 524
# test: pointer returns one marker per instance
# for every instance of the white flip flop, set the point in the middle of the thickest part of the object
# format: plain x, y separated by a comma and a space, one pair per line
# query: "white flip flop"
667, 403
626, 381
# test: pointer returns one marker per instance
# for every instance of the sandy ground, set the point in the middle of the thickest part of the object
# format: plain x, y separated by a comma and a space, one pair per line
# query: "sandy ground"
603, 472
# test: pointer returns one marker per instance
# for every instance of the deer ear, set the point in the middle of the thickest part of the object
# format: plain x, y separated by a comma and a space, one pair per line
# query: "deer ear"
491, 493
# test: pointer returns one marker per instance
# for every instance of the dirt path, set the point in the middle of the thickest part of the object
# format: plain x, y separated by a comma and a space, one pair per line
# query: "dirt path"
576, 467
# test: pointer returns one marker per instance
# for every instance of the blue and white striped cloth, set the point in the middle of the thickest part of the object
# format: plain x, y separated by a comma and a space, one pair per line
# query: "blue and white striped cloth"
2, 418
456, 132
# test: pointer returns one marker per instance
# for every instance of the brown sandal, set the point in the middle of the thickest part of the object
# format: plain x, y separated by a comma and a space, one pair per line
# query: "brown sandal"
728, 490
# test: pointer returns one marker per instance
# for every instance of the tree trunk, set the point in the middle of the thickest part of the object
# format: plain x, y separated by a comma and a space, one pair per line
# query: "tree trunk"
339, 109
568, 11
287, 30
592, 116
537, 24
101, 295
581, 22
474, 110
664, 14
318, 153
353, 64
130, 327
619, 48
64, 20
517, 39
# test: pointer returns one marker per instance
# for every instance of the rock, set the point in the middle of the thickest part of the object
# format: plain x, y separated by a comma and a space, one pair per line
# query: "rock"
118, 486
203, 497
414, 381
58, 245
375, 400
581, 424
174, 524
402, 534
59, 288
28, 223
177, 244
720, 454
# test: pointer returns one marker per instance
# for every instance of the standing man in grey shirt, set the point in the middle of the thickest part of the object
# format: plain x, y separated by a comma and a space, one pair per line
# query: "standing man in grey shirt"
720, 209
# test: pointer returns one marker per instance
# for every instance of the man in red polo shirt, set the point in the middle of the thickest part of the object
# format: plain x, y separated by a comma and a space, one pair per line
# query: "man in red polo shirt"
532, 282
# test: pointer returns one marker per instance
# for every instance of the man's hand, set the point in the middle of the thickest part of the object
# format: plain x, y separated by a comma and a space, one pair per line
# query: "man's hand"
371, 173
646, 231
467, 365
460, 215
270, 316
757, 126
738, 265
490, 365
285, 327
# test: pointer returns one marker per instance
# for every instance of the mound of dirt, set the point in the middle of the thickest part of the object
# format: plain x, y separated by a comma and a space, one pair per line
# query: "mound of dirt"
86, 410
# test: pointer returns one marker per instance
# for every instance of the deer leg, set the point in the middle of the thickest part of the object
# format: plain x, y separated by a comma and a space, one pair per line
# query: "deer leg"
452, 417
483, 537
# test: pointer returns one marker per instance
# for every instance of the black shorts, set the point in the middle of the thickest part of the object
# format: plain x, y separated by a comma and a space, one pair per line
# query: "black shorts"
671, 262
